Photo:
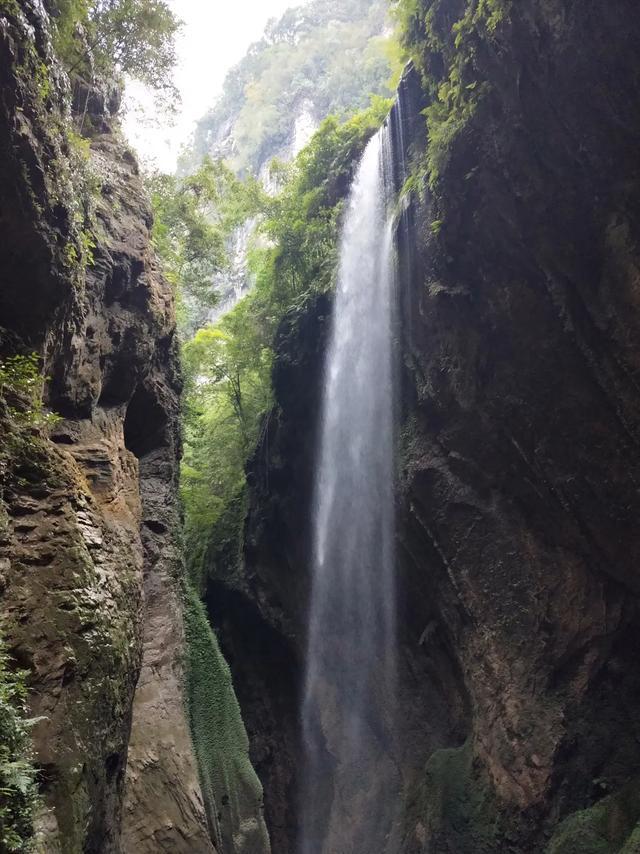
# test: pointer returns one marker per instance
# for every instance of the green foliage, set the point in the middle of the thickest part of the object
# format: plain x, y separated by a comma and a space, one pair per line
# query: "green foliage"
454, 804
18, 789
9, 7
301, 223
328, 55
78, 251
111, 37
229, 784
445, 48
228, 366
193, 218
80, 145
611, 826
228, 390
21, 387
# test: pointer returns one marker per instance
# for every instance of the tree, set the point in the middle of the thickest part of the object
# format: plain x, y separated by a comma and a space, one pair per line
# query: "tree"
119, 37
137, 37
193, 219
227, 370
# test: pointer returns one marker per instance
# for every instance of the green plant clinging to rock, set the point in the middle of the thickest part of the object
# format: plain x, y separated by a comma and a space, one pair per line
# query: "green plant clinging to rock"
18, 790
611, 826
231, 789
443, 38
21, 387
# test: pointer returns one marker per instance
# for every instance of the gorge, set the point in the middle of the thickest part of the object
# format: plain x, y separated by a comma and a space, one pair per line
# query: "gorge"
402, 613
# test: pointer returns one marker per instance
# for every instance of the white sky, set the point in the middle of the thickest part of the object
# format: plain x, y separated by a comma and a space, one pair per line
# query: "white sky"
215, 36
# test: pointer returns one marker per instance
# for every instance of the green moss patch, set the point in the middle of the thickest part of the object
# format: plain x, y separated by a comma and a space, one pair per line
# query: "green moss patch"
446, 54
454, 805
609, 827
230, 787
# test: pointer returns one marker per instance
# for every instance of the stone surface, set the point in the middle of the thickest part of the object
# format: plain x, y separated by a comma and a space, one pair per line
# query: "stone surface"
89, 558
518, 459
521, 424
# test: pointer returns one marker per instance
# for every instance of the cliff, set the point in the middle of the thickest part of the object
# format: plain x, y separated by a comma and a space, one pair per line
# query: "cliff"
90, 551
517, 456
316, 59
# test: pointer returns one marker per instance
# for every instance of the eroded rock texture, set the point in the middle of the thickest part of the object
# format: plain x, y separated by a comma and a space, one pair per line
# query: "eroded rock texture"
89, 565
521, 469
518, 456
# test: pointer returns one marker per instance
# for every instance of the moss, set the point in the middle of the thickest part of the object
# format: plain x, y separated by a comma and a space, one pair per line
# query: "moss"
215, 539
230, 787
609, 827
453, 803
224, 553
632, 845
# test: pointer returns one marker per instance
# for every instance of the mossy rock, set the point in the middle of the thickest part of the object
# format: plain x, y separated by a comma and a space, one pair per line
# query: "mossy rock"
455, 806
230, 786
609, 827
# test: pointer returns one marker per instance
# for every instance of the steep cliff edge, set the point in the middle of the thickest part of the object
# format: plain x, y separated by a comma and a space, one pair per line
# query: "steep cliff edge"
90, 564
521, 442
518, 454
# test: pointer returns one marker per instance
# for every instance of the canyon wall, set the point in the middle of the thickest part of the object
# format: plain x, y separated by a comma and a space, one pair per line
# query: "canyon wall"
517, 451
91, 574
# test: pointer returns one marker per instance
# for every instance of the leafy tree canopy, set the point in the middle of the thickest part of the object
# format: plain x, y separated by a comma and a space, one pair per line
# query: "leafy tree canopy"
121, 37
327, 56
194, 217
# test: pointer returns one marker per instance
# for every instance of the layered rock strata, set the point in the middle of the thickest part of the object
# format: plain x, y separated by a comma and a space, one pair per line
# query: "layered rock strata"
90, 563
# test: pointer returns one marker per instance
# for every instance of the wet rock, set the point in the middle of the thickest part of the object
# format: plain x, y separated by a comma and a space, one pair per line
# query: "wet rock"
517, 503
90, 597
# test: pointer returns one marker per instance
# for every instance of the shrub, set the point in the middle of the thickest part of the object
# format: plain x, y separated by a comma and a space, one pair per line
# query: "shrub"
18, 789
21, 387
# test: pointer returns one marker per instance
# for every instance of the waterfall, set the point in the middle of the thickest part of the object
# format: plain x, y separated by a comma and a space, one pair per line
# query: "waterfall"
348, 704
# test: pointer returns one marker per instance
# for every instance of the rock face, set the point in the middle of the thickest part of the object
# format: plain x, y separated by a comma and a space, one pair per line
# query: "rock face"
518, 467
89, 566
522, 421
164, 808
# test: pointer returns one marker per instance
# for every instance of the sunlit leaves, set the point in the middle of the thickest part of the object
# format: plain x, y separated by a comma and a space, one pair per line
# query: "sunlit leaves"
120, 37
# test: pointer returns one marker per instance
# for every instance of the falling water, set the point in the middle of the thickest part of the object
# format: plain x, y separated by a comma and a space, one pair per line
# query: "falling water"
348, 706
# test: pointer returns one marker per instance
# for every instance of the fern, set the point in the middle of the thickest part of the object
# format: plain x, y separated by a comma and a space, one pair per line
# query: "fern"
18, 789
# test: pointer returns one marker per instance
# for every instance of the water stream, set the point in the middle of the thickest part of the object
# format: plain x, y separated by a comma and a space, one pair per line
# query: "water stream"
348, 705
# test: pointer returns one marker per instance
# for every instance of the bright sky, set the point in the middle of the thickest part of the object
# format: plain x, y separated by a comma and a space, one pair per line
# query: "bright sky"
215, 37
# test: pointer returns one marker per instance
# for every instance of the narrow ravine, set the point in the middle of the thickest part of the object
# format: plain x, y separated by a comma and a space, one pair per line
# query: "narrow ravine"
348, 703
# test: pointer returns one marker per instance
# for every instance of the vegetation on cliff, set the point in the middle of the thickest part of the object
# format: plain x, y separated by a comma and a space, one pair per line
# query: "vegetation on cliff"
323, 58
110, 38
228, 366
50, 194
611, 826
23, 459
231, 790
444, 40
18, 788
